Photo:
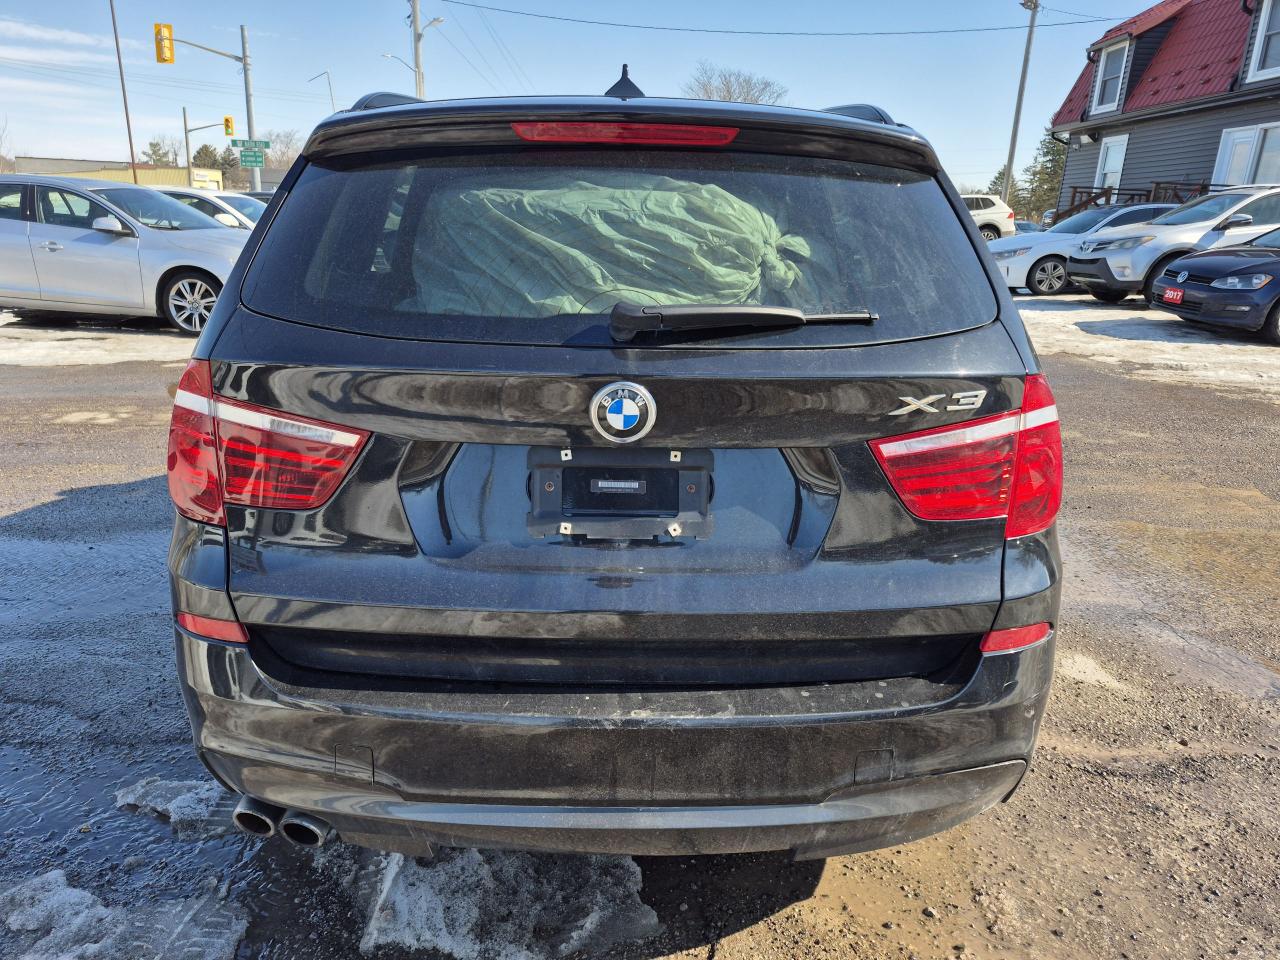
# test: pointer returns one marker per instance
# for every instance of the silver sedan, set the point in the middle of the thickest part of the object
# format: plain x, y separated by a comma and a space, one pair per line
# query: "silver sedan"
98, 247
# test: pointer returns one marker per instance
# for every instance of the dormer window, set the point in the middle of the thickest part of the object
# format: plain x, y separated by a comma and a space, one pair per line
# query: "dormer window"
1106, 92
1265, 63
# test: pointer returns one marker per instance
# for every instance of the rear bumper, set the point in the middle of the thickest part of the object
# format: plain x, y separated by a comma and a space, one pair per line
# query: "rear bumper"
1096, 274
817, 770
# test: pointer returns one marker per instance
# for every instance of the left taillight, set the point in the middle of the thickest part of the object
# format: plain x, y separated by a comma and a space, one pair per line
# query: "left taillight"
1008, 465
225, 451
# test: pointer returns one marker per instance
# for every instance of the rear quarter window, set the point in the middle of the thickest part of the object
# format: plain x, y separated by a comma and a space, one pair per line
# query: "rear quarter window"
538, 246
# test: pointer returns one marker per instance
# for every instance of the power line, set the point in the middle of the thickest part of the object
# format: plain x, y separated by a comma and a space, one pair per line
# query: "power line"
476, 47
516, 70
773, 33
458, 51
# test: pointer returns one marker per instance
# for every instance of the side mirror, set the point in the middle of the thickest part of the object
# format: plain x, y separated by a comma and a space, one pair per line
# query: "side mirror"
226, 219
110, 224
1236, 220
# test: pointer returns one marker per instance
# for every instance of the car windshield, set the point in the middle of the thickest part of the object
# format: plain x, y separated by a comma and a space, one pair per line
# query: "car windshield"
452, 247
1083, 221
157, 210
1269, 239
248, 206
1202, 208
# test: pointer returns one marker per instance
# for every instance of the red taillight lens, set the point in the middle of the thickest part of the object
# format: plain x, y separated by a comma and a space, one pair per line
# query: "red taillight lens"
1004, 466
1014, 638
223, 451
228, 631
193, 457
651, 134
270, 459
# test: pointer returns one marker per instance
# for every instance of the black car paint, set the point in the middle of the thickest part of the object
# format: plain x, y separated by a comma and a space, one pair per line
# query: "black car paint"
1210, 305
400, 763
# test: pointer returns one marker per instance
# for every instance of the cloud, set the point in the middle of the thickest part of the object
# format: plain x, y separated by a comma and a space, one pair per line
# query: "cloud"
25, 87
53, 56
12, 28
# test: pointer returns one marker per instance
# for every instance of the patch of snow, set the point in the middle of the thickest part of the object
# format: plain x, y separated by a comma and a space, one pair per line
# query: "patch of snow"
54, 921
1153, 345
1078, 666
497, 905
187, 804
53, 346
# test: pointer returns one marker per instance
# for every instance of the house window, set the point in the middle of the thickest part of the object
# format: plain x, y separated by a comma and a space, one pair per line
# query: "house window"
1248, 155
1266, 47
1106, 95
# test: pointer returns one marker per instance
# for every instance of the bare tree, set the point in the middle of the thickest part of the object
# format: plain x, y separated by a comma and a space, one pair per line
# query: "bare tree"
285, 147
710, 82
163, 150
6, 158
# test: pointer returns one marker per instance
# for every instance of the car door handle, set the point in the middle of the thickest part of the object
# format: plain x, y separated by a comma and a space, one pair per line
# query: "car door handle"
51, 245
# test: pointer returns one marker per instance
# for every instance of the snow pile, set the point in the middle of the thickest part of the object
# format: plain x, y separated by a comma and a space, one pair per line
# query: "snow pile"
58, 345
494, 905
53, 921
187, 804
1153, 344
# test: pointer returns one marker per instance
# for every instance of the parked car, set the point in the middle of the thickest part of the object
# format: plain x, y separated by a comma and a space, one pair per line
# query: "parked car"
438, 578
1026, 226
991, 214
99, 247
1047, 218
1235, 286
227, 207
1118, 261
1039, 261
263, 195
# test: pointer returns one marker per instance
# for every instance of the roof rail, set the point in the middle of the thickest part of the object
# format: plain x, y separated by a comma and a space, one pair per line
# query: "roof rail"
372, 101
862, 111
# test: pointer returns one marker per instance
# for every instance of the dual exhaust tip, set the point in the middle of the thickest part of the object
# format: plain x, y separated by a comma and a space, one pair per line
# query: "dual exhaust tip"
264, 820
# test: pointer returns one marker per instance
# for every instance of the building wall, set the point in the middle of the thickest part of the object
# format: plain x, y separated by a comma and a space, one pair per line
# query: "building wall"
1183, 147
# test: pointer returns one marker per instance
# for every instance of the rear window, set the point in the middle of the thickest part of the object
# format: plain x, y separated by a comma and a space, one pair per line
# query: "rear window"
538, 247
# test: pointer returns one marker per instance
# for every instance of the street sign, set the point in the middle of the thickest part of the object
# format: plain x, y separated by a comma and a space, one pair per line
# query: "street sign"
251, 158
252, 144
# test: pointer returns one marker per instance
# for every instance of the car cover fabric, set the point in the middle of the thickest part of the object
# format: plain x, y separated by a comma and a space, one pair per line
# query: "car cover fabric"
548, 247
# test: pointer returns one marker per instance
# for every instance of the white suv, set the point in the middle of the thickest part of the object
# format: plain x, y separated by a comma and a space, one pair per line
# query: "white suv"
991, 214
1117, 261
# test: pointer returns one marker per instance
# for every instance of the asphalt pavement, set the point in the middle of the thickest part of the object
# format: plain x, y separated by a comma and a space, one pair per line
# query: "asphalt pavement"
1147, 828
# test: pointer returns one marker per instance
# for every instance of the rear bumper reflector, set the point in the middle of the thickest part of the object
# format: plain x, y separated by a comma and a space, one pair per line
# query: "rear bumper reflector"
226, 631
1014, 638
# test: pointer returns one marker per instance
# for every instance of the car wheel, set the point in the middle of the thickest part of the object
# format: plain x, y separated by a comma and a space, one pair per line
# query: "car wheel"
1048, 276
990, 233
1109, 296
1271, 326
188, 299
1154, 273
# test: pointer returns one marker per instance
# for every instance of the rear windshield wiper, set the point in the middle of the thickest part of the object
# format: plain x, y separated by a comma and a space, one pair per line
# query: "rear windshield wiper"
628, 319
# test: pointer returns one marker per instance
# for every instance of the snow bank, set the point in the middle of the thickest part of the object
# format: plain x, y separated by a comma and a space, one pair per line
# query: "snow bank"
494, 905
29, 345
187, 804
1153, 345
52, 921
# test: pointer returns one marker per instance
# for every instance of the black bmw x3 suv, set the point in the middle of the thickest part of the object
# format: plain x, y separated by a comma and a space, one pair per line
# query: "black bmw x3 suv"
603, 475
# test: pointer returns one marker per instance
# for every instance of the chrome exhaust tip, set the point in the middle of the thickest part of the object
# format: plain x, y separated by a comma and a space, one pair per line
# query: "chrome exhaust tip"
255, 817
304, 830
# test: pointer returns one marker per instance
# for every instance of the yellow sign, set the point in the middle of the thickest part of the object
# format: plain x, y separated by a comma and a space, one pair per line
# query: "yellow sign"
164, 43
229, 126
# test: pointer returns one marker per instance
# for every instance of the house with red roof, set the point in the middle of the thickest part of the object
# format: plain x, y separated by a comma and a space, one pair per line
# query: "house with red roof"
1183, 97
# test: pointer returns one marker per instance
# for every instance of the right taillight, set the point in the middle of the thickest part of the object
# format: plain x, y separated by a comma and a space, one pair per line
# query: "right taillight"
1008, 465
225, 451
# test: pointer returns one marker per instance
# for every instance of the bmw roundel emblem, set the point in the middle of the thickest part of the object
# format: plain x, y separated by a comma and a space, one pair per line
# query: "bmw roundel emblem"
623, 412
1182, 277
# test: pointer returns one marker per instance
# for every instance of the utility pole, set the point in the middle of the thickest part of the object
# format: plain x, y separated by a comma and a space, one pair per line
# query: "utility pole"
1034, 7
329, 80
124, 94
187, 131
256, 172
416, 23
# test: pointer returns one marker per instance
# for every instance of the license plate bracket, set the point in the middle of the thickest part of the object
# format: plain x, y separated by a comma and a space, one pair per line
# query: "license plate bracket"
603, 494
1174, 295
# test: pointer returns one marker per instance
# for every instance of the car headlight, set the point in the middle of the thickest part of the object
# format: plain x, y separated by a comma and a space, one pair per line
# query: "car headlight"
1242, 281
1010, 254
1128, 243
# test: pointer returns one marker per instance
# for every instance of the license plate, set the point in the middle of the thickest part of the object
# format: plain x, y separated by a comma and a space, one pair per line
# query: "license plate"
1173, 295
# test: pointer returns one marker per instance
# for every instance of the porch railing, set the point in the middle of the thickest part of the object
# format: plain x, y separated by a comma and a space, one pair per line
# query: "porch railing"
1161, 191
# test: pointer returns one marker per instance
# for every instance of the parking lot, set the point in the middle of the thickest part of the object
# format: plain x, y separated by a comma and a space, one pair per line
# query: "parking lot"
1147, 828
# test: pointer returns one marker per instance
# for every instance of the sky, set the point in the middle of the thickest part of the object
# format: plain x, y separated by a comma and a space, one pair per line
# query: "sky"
60, 93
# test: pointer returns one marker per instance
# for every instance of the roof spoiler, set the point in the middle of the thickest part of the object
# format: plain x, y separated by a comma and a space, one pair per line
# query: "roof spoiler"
372, 101
862, 111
